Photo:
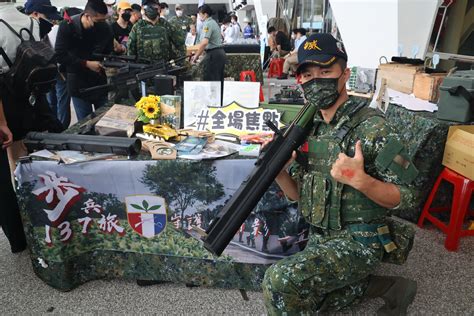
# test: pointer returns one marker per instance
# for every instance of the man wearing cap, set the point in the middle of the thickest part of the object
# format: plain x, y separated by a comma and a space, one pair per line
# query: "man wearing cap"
153, 39
45, 13
17, 117
122, 27
357, 173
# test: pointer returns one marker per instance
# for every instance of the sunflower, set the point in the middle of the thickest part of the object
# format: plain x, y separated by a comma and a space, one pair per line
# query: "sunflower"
151, 110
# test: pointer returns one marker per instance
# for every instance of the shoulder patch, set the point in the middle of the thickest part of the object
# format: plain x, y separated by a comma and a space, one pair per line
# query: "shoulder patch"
205, 29
394, 157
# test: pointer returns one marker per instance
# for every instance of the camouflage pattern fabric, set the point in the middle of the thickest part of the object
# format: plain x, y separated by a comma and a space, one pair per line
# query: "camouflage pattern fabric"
424, 136
330, 273
181, 25
154, 42
236, 63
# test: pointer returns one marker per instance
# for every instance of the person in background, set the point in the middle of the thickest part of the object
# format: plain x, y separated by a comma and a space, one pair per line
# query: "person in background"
282, 45
77, 42
211, 42
228, 31
153, 39
21, 116
291, 60
59, 98
191, 36
122, 27
235, 22
181, 23
164, 10
110, 9
10, 218
136, 13
248, 29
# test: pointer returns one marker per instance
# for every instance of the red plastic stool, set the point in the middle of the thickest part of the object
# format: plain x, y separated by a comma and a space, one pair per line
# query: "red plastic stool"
250, 74
276, 67
463, 189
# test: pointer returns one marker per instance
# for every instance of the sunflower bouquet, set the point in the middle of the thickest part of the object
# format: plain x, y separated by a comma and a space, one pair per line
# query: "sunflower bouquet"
148, 108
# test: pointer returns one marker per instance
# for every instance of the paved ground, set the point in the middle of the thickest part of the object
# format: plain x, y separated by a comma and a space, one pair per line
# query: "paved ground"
445, 287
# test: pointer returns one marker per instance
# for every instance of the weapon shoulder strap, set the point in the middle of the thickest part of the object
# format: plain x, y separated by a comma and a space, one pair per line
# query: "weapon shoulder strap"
358, 115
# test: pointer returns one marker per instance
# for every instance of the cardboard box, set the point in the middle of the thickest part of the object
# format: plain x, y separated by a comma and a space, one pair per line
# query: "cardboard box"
426, 86
459, 150
118, 121
399, 77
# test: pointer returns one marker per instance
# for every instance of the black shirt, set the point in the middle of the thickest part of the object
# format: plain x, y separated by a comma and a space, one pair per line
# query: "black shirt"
75, 45
121, 34
283, 40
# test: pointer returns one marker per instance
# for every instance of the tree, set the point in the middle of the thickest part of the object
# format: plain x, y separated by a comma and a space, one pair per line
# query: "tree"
182, 184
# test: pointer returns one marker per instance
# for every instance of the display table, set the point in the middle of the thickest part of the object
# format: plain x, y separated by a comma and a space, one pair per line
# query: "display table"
135, 219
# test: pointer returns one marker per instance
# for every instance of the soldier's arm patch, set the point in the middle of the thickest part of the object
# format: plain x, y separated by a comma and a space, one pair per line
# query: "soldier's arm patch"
394, 157
205, 29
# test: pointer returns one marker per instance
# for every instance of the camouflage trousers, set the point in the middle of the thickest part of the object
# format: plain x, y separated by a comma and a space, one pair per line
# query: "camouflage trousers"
329, 274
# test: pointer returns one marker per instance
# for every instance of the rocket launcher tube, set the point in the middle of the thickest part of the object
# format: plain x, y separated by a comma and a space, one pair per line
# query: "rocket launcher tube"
268, 165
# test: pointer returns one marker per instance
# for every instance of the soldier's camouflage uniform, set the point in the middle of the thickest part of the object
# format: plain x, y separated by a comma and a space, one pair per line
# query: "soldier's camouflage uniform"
348, 232
154, 42
181, 25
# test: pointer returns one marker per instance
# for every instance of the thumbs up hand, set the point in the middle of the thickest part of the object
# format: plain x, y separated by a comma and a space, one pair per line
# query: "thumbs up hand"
349, 170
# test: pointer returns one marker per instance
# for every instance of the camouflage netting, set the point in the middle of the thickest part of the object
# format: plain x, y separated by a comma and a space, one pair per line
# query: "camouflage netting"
236, 63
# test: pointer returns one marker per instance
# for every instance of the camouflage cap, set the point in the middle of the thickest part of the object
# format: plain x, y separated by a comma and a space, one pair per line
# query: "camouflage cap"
321, 49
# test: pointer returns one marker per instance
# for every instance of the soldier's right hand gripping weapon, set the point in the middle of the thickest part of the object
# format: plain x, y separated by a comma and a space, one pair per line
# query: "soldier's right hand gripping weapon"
270, 162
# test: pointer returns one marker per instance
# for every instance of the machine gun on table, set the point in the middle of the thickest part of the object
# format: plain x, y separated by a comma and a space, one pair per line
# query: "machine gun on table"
131, 74
270, 162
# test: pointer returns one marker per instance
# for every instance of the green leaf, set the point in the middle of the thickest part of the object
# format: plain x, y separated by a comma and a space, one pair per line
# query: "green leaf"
154, 207
145, 204
137, 206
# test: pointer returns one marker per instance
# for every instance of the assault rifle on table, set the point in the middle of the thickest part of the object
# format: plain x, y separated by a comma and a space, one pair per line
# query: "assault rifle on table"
130, 74
270, 162
99, 144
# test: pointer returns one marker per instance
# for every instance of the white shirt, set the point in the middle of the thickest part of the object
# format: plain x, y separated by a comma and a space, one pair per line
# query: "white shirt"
229, 34
8, 40
299, 41
53, 34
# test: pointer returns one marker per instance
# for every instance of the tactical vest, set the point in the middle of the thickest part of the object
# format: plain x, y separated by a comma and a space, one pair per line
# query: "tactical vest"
321, 195
153, 42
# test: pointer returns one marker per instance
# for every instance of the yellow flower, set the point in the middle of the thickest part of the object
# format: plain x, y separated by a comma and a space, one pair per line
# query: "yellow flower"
151, 110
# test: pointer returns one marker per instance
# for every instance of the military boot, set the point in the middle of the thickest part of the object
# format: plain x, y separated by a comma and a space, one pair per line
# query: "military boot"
397, 292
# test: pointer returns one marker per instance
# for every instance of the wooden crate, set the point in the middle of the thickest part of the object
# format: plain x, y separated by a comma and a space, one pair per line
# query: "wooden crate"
426, 86
399, 77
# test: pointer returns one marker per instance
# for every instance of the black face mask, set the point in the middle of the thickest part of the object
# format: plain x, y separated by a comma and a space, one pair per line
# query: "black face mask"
45, 27
151, 12
126, 16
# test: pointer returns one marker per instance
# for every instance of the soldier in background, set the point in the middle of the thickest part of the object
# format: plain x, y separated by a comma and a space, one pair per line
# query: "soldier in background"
211, 42
152, 39
182, 24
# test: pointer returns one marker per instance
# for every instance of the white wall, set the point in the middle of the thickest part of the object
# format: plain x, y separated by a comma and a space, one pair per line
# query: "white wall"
374, 28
